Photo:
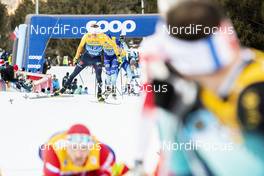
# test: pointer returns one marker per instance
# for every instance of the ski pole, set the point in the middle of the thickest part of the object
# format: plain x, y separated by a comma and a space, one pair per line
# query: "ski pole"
95, 82
121, 81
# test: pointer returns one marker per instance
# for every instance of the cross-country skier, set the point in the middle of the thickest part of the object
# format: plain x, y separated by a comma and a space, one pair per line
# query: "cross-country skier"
76, 152
221, 117
88, 53
130, 57
134, 84
111, 63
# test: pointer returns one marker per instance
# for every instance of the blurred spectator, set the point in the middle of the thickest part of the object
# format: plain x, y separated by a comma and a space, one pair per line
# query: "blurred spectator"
65, 61
9, 59
85, 91
43, 90
70, 62
28, 85
74, 85
53, 61
55, 83
20, 82
78, 90
48, 90
20, 75
7, 73
46, 66
24, 84
1, 52
5, 55
58, 59
65, 79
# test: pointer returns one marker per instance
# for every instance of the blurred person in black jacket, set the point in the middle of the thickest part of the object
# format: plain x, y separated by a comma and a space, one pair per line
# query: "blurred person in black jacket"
46, 66
65, 79
7, 73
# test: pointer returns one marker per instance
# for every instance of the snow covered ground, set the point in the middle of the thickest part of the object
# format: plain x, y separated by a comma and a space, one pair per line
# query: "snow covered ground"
27, 123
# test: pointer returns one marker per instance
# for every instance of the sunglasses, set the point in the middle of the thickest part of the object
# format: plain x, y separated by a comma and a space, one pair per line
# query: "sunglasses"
80, 139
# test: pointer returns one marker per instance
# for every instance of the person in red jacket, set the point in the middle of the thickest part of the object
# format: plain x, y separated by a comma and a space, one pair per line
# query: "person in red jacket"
76, 152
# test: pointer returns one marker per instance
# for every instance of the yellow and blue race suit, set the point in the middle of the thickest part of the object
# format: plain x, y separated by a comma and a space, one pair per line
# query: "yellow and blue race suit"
89, 52
111, 62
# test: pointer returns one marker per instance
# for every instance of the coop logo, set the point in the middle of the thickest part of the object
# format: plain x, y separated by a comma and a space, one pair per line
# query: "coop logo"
34, 66
34, 57
114, 26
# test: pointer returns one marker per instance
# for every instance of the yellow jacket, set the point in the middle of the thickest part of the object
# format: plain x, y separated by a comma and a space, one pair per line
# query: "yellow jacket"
94, 45
227, 110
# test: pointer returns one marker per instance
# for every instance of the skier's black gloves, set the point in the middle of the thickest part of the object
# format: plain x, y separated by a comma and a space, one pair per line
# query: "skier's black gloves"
175, 94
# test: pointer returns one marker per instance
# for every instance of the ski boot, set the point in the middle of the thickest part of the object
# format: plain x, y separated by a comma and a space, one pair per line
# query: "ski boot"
114, 92
100, 98
107, 92
129, 89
